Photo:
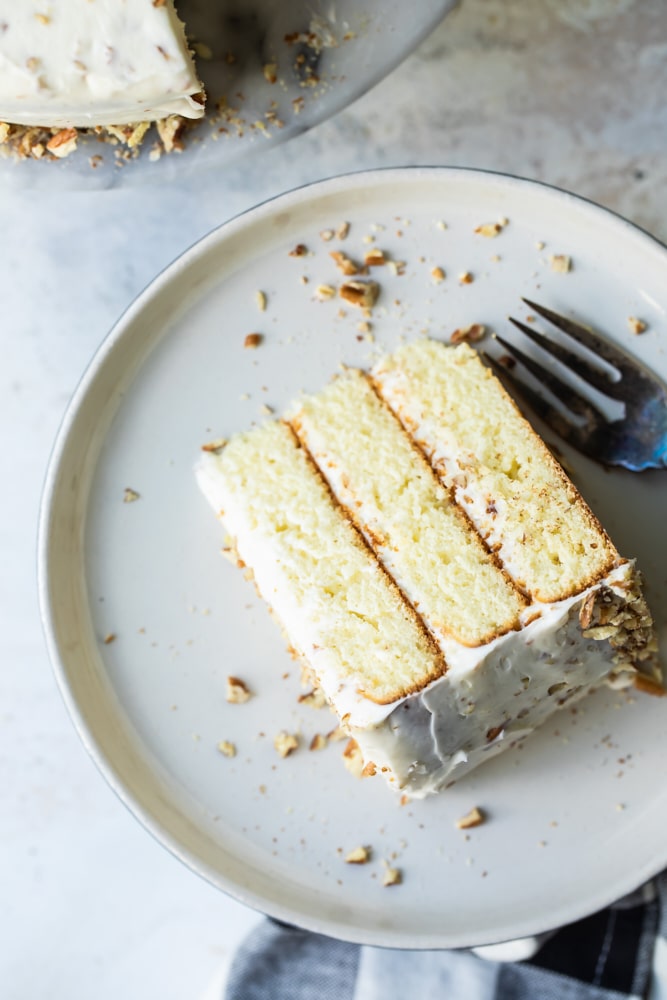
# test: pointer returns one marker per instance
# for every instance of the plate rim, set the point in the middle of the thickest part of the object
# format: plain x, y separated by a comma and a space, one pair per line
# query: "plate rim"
188, 258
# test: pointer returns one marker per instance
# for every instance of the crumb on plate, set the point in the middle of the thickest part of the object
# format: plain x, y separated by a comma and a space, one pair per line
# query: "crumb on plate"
475, 817
470, 334
344, 264
237, 691
353, 759
216, 445
489, 229
375, 258
358, 856
561, 263
286, 743
314, 698
636, 325
392, 876
363, 294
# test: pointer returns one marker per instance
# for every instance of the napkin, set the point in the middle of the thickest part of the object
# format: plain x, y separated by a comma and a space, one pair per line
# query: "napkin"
619, 952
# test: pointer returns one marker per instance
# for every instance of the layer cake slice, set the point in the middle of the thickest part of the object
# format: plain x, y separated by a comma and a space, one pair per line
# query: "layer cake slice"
441, 578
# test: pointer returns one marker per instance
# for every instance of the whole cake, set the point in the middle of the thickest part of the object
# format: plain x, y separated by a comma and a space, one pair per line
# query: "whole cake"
441, 578
85, 63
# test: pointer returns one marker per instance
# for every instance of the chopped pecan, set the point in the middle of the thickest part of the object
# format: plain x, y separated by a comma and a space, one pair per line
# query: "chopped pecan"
475, 817
362, 294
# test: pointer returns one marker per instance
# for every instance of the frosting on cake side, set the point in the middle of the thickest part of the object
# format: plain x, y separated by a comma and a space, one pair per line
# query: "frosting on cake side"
82, 63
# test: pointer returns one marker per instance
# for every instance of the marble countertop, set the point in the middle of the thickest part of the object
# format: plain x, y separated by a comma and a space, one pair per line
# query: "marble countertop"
566, 91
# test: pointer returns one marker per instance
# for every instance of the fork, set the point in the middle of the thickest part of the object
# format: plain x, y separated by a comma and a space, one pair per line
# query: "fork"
637, 440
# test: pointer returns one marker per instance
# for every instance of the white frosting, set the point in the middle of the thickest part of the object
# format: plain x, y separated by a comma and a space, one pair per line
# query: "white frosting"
424, 740
94, 62
509, 686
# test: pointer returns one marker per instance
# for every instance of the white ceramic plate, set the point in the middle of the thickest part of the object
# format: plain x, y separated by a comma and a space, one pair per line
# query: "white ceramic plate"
362, 41
577, 817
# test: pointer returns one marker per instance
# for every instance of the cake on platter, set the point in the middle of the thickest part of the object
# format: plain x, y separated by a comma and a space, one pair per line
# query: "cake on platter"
128, 74
441, 578
116, 64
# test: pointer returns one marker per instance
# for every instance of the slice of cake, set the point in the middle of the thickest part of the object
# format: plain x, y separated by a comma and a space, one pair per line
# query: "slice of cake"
443, 581
101, 63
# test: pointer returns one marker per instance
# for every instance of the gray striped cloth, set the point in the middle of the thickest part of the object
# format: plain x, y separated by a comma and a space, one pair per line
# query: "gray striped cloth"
618, 953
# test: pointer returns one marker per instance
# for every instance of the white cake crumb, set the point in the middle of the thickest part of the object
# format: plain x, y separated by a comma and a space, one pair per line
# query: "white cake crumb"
560, 263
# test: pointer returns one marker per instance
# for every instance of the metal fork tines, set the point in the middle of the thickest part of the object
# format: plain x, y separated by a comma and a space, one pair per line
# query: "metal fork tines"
637, 440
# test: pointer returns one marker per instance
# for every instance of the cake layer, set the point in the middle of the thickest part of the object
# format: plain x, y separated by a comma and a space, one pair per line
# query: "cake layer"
83, 63
342, 612
418, 533
502, 474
